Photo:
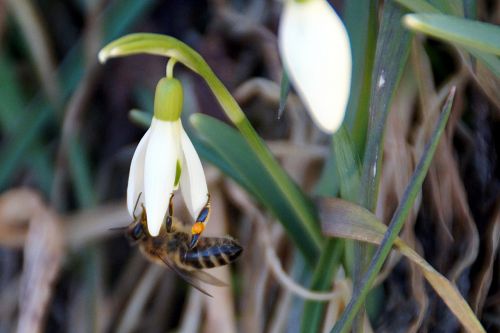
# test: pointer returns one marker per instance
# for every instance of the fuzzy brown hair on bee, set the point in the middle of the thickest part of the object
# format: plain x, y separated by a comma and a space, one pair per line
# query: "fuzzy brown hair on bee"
171, 248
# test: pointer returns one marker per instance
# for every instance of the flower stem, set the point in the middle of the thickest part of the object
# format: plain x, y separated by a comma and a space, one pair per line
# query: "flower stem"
170, 67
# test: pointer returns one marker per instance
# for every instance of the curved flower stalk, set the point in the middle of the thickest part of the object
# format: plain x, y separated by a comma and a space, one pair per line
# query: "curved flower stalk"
316, 53
164, 160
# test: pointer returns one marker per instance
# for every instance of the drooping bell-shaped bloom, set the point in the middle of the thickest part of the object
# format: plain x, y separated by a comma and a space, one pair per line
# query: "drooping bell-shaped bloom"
316, 53
164, 160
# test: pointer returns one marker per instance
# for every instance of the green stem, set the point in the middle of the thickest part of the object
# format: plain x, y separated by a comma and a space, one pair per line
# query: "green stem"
170, 67
322, 280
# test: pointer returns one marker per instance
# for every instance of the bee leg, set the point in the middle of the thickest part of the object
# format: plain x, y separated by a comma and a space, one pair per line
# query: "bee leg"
170, 213
144, 218
135, 207
200, 223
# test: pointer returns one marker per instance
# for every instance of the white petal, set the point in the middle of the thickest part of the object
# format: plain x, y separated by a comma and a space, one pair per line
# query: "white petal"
193, 182
159, 171
315, 49
136, 175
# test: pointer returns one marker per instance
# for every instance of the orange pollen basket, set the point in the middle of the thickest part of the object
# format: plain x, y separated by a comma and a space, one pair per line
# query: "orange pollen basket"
197, 228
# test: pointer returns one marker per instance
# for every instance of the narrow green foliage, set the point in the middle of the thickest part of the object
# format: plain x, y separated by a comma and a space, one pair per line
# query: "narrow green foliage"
11, 95
327, 266
348, 164
392, 49
348, 169
284, 91
393, 45
450, 7
363, 43
491, 61
140, 118
80, 173
397, 221
470, 9
15, 147
419, 6
459, 31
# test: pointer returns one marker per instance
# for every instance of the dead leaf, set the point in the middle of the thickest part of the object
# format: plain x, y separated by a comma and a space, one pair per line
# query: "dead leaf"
43, 253
347, 220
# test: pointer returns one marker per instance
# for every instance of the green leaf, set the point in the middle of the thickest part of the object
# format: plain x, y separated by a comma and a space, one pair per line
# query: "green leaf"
348, 171
470, 9
487, 74
15, 147
419, 6
460, 31
450, 7
328, 184
490, 61
348, 164
322, 279
361, 22
347, 220
140, 118
487, 70
392, 49
284, 91
397, 221
11, 95
44, 171
80, 173
393, 45
230, 146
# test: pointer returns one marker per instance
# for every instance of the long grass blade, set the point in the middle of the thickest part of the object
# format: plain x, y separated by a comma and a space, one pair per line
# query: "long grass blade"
397, 222
460, 31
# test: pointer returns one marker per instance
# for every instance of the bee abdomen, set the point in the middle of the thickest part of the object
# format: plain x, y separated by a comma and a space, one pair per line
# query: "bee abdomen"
212, 252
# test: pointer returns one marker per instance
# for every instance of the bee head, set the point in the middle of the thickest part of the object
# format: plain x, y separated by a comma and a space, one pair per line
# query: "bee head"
136, 232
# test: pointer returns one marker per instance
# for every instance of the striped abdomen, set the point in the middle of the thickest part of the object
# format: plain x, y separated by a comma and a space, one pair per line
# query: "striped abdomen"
211, 252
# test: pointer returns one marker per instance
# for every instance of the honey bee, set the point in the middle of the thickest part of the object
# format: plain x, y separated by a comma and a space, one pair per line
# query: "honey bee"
172, 248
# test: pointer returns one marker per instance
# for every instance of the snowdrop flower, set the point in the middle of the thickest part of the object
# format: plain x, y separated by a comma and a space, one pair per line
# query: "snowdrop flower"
164, 160
316, 53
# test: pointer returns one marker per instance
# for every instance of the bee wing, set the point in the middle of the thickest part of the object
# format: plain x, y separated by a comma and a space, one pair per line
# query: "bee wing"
208, 278
186, 275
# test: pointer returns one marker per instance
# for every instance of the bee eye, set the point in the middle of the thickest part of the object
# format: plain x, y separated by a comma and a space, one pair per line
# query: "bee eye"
137, 232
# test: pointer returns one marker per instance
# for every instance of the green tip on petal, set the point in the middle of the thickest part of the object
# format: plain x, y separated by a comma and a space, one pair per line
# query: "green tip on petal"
178, 170
168, 99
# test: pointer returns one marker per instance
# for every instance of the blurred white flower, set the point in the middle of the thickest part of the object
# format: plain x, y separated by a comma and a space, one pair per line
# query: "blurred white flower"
164, 159
316, 53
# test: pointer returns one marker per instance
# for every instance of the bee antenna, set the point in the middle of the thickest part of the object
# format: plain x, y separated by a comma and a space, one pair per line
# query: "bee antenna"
117, 229
136, 203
